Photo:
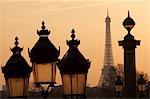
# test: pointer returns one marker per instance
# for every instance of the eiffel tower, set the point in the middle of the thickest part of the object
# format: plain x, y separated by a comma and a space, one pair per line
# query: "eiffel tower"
107, 78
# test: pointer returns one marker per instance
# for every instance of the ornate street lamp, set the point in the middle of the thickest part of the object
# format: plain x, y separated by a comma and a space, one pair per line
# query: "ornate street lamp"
141, 86
74, 68
129, 44
119, 86
44, 57
17, 73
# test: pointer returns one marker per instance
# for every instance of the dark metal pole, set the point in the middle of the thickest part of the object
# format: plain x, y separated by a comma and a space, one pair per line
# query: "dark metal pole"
129, 66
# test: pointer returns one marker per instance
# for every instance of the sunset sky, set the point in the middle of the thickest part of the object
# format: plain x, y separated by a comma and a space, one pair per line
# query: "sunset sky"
23, 17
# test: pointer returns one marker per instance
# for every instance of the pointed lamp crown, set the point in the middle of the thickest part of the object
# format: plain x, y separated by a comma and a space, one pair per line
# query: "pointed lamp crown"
128, 23
16, 49
73, 42
44, 32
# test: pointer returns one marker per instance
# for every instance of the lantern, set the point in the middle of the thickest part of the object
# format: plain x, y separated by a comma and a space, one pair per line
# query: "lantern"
141, 85
74, 68
44, 57
17, 73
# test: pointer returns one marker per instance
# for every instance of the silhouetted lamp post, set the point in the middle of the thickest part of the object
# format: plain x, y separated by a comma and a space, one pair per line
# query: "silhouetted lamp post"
119, 86
17, 73
141, 86
44, 57
74, 68
129, 44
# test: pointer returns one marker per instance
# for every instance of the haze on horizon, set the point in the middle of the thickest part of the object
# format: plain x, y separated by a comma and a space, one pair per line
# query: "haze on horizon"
87, 17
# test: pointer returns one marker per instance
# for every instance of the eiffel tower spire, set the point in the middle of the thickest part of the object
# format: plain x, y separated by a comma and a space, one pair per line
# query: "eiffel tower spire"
107, 12
108, 72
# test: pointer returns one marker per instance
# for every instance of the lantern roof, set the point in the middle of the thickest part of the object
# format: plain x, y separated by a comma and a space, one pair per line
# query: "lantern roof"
119, 81
43, 51
16, 66
73, 61
141, 79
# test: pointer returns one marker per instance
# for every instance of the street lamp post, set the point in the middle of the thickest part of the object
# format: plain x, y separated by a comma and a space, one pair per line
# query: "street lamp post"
74, 68
129, 44
119, 87
17, 73
44, 57
141, 86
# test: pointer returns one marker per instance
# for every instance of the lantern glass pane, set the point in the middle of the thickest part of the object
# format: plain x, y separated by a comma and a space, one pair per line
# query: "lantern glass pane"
118, 88
74, 83
141, 87
26, 86
54, 71
81, 83
66, 83
45, 72
15, 86
78, 83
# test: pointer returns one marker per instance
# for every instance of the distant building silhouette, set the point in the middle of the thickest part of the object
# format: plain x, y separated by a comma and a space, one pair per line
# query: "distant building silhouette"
107, 78
120, 70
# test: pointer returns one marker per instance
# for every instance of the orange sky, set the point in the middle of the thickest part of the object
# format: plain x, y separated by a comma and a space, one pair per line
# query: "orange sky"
23, 17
